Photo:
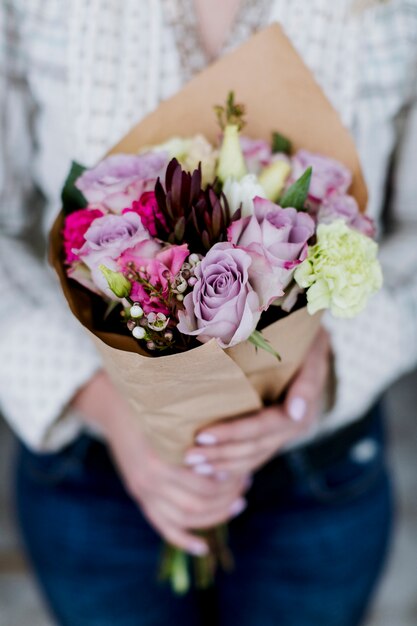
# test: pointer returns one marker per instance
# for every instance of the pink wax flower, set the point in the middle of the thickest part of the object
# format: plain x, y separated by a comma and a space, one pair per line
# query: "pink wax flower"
329, 176
277, 235
147, 209
75, 226
120, 179
345, 207
223, 304
158, 268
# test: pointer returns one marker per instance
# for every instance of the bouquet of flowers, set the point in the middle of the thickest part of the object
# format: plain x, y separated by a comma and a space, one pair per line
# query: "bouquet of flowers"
213, 256
193, 243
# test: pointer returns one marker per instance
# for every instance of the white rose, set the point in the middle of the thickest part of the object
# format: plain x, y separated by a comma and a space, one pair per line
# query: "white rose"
241, 193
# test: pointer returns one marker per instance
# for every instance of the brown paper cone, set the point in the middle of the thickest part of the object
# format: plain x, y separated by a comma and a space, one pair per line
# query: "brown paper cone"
175, 396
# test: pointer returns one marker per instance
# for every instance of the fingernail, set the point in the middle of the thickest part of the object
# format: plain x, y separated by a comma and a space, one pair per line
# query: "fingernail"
204, 469
222, 476
297, 409
206, 439
198, 549
237, 507
194, 459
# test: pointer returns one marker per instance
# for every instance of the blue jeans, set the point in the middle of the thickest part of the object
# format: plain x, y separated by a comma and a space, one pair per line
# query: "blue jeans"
308, 550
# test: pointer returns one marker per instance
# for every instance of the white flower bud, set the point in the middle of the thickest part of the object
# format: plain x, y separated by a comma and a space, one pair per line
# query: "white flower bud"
180, 297
138, 332
136, 311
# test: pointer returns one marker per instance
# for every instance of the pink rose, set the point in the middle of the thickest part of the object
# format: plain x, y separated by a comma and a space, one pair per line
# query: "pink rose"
75, 226
223, 304
159, 268
329, 176
346, 208
277, 235
147, 209
257, 153
120, 179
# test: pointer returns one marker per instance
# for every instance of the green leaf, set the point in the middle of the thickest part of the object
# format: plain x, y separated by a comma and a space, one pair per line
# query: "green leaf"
281, 143
259, 341
296, 195
72, 198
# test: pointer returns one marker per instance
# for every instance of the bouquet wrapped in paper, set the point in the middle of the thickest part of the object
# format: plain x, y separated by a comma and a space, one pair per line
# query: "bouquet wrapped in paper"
200, 251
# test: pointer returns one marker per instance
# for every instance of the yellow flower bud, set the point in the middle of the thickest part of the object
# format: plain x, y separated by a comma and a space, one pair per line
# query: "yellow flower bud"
273, 178
231, 162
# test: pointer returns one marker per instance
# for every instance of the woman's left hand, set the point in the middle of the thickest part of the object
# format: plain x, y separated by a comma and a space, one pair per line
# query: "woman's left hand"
243, 445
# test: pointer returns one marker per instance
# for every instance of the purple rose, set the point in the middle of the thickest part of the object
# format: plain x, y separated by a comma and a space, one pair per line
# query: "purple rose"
120, 179
110, 235
223, 304
346, 208
107, 238
277, 235
329, 176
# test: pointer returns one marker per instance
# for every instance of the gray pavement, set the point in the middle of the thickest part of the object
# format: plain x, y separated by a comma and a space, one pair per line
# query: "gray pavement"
396, 602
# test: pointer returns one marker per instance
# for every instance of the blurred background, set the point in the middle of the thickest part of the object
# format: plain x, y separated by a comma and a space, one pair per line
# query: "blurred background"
396, 603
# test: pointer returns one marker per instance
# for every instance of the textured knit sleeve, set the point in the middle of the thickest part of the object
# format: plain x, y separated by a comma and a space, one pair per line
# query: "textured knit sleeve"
380, 345
45, 356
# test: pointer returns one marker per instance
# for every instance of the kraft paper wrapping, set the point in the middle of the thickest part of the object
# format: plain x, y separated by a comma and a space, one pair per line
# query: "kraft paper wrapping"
175, 396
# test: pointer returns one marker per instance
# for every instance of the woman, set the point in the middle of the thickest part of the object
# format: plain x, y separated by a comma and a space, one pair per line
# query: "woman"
311, 542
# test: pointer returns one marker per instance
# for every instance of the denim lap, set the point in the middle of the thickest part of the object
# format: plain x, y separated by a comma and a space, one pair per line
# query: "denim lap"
307, 553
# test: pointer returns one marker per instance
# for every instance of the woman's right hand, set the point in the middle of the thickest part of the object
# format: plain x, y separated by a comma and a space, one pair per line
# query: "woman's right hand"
173, 498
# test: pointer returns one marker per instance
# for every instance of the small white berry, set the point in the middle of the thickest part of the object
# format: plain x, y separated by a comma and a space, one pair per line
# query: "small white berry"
182, 286
180, 297
194, 259
136, 311
138, 332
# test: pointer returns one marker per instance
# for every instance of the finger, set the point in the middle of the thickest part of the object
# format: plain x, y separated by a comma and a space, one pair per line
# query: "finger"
284, 431
245, 465
308, 386
177, 536
266, 449
205, 517
207, 484
192, 505
245, 428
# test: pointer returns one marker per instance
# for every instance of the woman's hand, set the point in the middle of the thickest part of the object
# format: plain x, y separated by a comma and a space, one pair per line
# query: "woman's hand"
173, 498
242, 446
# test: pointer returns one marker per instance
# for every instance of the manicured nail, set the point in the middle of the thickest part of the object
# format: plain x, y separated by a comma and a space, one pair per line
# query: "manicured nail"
237, 507
198, 549
297, 409
194, 459
206, 439
204, 469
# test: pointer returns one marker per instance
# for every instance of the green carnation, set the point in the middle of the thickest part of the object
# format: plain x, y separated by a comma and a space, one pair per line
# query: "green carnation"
341, 270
